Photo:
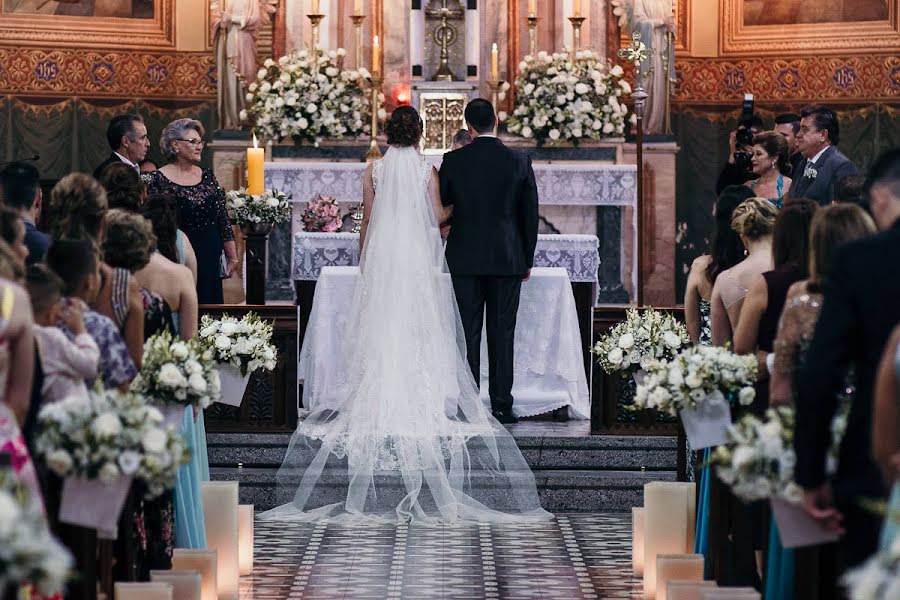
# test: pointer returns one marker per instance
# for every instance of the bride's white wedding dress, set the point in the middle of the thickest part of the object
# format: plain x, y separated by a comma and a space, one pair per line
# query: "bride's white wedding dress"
406, 437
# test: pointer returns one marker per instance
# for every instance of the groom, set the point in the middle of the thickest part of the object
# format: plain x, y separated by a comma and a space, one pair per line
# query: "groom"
490, 247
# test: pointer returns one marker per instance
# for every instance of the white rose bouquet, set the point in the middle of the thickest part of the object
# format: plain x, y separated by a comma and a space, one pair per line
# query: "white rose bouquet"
272, 206
699, 374
642, 338
28, 552
308, 96
569, 97
174, 371
879, 577
243, 343
110, 435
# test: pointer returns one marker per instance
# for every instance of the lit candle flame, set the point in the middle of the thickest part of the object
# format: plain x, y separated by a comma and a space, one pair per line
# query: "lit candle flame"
255, 143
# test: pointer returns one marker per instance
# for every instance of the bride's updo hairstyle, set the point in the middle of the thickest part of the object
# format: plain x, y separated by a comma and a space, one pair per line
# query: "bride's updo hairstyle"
754, 218
404, 128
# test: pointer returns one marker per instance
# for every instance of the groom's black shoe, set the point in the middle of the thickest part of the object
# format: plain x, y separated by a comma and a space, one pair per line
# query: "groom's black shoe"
505, 417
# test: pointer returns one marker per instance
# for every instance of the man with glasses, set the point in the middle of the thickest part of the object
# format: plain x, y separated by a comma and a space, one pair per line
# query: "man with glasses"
823, 164
127, 137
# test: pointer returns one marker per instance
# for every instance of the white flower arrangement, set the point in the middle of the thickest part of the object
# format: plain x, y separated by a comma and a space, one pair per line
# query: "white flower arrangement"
879, 577
308, 96
642, 338
272, 206
111, 435
179, 372
28, 551
699, 374
243, 343
569, 97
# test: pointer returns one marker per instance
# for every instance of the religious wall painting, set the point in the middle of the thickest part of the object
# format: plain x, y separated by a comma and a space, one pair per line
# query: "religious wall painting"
88, 23
770, 27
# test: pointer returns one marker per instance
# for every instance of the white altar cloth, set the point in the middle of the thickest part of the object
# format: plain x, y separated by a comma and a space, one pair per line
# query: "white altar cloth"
549, 366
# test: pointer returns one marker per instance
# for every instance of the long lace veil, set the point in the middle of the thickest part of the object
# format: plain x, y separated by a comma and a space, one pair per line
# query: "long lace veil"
406, 437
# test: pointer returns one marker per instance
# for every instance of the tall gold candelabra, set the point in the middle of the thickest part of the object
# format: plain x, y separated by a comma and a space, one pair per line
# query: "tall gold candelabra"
532, 34
577, 22
357, 26
374, 152
315, 20
495, 84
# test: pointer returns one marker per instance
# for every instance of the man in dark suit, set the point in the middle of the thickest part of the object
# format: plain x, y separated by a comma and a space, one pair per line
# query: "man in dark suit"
490, 247
823, 163
127, 137
860, 309
788, 125
20, 190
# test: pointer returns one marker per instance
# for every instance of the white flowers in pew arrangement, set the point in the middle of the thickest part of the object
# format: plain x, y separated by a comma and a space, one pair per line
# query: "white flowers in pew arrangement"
879, 577
570, 97
240, 347
697, 386
308, 96
99, 445
641, 339
175, 372
29, 554
272, 206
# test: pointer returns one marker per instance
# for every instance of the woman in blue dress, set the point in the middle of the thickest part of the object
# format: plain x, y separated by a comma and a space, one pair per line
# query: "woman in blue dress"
772, 165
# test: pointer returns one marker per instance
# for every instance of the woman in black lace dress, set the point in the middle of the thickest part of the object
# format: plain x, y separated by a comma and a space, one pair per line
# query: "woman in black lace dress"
201, 203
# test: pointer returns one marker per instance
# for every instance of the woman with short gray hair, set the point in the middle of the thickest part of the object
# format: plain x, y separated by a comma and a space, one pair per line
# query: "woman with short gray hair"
201, 204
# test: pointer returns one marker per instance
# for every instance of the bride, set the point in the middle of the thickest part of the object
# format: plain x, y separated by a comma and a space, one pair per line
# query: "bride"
406, 437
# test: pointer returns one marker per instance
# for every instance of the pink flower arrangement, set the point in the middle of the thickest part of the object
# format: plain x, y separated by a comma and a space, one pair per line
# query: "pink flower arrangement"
322, 214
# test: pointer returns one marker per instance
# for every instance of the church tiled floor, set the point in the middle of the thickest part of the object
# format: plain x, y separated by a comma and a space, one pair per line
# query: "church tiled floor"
574, 556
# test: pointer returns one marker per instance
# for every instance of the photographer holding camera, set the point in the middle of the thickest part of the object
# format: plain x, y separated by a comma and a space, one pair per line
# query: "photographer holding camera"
739, 170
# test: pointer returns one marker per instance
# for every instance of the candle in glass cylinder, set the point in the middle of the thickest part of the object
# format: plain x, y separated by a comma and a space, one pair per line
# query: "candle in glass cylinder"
637, 541
665, 526
684, 589
220, 515
495, 71
245, 542
256, 156
186, 585
676, 566
204, 562
143, 591
376, 55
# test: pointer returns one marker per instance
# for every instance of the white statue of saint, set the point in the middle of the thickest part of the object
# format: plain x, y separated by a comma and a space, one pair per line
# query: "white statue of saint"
654, 20
235, 24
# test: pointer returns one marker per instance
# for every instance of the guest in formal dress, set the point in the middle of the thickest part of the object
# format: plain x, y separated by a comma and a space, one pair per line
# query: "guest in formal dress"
148, 166
788, 125
772, 167
461, 138
127, 138
823, 165
886, 434
12, 231
735, 171
850, 190
20, 190
77, 264
201, 204
171, 242
66, 364
124, 187
753, 220
859, 311
77, 207
16, 345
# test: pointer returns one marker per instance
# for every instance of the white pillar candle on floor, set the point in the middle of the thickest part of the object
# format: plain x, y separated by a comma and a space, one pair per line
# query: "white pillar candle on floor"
690, 489
676, 566
245, 541
204, 562
143, 591
220, 514
637, 541
727, 593
665, 526
682, 589
186, 585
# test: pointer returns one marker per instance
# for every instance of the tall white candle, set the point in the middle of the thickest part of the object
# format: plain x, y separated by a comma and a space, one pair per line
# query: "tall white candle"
204, 562
690, 490
143, 591
186, 585
220, 513
665, 527
637, 541
676, 566
683, 589
726, 593
245, 538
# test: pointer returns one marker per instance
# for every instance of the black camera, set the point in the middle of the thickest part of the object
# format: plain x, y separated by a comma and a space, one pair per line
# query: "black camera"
744, 134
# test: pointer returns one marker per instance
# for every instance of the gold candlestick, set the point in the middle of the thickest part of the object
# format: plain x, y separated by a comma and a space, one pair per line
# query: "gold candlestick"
357, 26
315, 20
495, 84
532, 35
374, 152
576, 30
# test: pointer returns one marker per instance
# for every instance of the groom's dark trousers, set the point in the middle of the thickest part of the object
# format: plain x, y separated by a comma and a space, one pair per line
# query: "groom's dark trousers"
490, 249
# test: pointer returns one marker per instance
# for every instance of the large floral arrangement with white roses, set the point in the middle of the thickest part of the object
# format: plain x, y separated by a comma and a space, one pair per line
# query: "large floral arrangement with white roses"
28, 551
879, 577
698, 374
108, 435
272, 206
244, 343
175, 371
643, 337
569, 97
308, 96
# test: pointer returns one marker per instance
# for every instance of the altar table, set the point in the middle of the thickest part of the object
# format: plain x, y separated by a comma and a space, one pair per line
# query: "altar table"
548, 353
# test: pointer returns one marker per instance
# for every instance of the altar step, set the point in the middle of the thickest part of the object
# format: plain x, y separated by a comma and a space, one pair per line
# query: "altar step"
574, 472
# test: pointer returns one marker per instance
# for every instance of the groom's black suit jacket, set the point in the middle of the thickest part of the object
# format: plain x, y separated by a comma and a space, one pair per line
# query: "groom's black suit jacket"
495, 209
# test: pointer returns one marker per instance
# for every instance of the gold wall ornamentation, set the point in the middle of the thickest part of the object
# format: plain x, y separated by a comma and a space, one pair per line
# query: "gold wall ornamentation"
98, 73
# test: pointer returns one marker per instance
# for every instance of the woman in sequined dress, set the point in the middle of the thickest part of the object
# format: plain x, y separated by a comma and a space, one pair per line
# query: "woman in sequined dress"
201, 203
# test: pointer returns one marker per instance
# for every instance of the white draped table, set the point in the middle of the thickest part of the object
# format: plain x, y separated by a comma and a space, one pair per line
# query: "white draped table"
549, 371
